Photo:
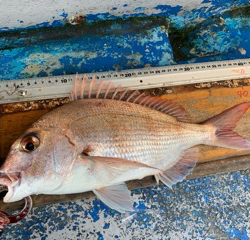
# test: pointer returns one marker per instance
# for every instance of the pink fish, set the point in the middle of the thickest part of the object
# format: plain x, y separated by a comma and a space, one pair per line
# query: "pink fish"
100, 142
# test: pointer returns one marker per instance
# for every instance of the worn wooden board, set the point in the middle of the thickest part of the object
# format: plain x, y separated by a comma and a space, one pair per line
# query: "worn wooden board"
202, 101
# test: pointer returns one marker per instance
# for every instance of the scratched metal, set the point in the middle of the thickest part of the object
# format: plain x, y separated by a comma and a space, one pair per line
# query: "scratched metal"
215, 207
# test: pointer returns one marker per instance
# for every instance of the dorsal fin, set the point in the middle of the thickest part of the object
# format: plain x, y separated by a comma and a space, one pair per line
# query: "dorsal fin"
165, 106
93, 89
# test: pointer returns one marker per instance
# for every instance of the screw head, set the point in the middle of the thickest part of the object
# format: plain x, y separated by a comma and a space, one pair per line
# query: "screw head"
22, 93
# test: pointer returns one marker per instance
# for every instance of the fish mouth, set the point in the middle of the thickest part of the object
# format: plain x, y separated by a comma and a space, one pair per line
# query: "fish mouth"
10, 181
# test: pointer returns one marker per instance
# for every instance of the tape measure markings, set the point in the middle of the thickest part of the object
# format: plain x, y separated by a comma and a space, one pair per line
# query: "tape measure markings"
59, 86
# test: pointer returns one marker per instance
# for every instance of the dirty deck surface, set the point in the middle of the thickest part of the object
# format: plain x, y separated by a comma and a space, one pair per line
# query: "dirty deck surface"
215, 207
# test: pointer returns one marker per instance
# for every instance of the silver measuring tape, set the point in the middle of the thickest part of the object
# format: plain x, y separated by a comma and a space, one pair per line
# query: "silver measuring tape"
20, 90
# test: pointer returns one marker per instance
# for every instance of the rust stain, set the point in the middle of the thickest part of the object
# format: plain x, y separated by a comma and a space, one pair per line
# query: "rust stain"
76, 19
227, 84
32, 105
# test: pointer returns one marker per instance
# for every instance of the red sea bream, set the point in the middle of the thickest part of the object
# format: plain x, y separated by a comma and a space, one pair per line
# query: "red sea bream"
100, 142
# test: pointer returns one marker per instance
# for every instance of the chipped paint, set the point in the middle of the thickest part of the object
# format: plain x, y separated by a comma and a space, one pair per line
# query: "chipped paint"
215, 207
124, 48
221, 37
55, 13
132, 43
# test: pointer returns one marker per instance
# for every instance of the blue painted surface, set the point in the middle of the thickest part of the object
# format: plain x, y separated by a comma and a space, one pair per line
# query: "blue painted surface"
88, 53
215, 207
224, 36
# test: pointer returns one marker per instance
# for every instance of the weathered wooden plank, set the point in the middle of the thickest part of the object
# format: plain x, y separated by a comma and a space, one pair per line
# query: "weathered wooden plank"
13, 125
205, 103
202, 169
202, 101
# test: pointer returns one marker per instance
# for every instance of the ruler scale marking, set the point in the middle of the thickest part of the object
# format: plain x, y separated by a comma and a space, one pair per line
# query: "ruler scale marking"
60, 86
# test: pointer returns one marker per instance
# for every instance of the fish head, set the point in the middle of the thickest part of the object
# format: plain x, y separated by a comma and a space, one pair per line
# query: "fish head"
38, 162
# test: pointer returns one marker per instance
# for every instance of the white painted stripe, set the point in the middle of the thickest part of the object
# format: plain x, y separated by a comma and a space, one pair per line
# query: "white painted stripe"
60, 86
25, 13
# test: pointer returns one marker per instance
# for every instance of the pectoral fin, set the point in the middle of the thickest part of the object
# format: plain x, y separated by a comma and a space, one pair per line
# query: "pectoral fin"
116, 197
107, 170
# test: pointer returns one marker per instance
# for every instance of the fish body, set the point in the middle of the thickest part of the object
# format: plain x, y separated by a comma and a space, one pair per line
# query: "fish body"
99, 144
109, 128
116, 129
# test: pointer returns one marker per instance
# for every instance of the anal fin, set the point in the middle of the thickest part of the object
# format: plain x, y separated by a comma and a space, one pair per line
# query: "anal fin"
181, 169
116, 197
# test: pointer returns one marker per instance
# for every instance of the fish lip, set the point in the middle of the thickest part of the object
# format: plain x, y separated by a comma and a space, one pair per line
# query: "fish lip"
10, 181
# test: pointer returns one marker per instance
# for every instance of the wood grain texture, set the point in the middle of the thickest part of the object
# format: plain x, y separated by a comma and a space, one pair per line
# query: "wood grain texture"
201, 101
205, 103
13, 125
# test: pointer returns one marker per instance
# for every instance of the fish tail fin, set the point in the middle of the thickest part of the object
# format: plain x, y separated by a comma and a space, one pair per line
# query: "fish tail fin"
225, 122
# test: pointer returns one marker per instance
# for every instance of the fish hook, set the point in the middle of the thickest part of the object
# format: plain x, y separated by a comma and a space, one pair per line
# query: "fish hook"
6, 219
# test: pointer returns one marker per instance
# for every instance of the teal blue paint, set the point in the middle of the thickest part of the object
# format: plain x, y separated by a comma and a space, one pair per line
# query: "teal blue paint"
215, 39
64, 15
139, 9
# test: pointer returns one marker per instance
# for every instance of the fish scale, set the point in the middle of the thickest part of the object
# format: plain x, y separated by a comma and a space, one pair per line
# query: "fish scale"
98, 123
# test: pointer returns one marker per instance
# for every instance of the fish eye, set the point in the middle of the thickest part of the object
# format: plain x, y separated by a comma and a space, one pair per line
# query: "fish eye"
29, 143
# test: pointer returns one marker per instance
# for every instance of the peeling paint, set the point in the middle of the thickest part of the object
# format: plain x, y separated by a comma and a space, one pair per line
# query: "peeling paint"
56, 12
132, 43
91, 52
215, 207
220, 37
